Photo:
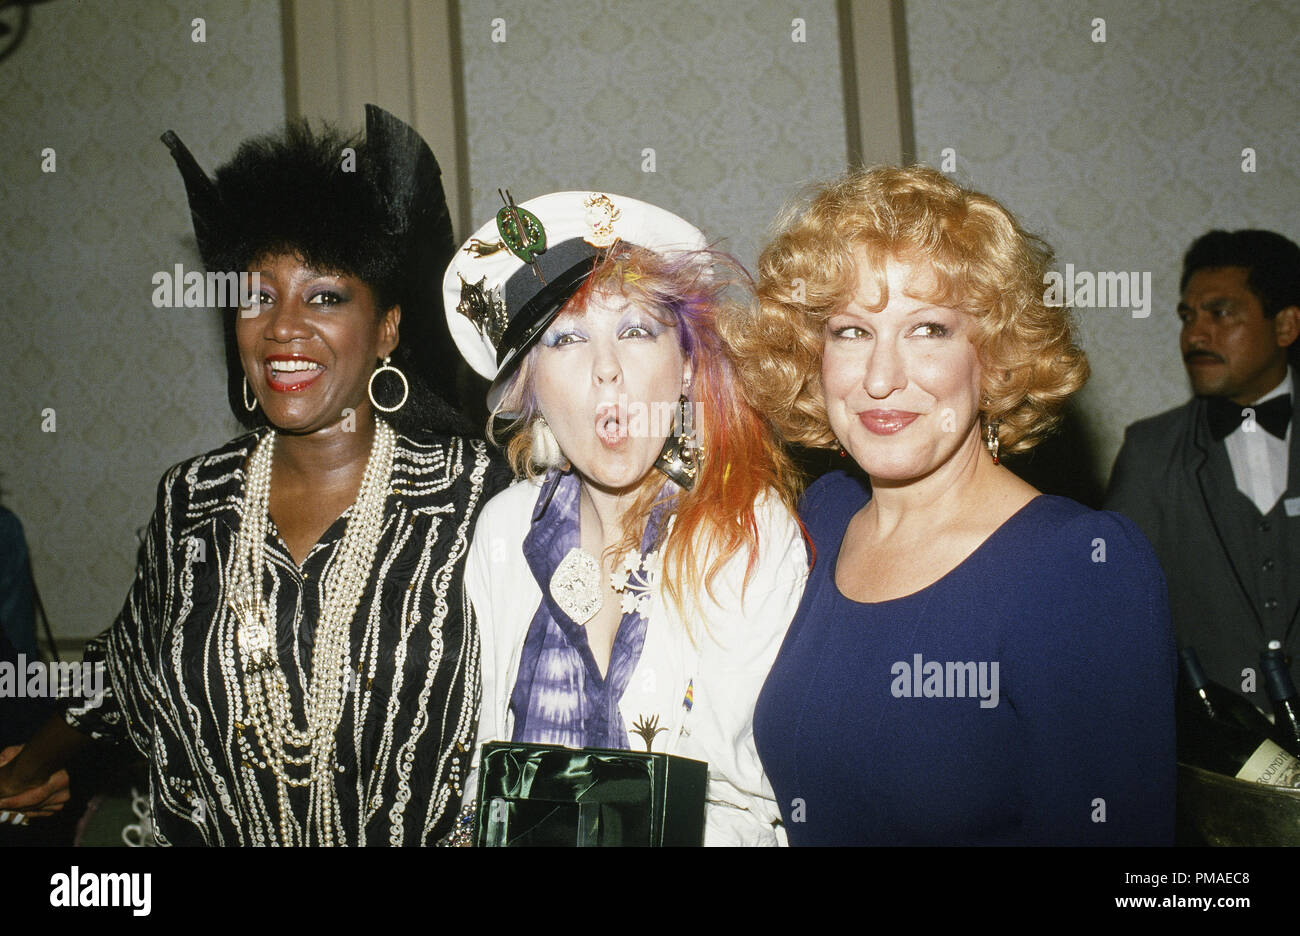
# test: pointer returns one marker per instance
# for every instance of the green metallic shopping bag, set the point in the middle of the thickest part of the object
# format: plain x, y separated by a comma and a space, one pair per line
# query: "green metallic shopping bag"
545, 795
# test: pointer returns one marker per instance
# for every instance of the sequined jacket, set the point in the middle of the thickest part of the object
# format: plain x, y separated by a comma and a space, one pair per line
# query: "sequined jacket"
409, 715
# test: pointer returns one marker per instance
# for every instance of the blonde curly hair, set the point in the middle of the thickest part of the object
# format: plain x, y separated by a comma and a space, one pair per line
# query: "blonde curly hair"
984, 263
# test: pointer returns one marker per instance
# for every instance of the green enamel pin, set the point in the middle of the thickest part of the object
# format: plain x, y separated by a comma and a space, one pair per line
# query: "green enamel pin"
520, 230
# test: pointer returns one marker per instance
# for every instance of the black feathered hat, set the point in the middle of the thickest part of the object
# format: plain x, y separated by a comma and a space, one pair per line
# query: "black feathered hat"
371, 207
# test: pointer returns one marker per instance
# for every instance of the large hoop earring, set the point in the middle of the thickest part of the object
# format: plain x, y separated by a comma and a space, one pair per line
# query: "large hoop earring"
682, 455
244, 389
370, 388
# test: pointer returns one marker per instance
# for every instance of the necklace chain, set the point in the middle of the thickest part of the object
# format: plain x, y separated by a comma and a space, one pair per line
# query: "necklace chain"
304, 757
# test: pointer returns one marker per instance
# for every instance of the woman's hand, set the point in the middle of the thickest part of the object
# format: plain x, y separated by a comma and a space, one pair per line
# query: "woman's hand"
28, 797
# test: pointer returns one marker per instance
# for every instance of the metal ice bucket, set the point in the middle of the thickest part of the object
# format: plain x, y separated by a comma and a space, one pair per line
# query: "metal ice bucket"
1217, 810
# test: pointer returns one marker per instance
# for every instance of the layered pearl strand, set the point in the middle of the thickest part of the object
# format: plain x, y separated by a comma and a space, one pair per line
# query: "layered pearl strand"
284, 745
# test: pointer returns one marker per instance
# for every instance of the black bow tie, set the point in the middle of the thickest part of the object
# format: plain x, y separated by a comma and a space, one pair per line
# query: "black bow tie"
1272, 416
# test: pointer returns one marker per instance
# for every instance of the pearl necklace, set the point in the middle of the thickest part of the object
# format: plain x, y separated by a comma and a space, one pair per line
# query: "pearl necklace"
291, 751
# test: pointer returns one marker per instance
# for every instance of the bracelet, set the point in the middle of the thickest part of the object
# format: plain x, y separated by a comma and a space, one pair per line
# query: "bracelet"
462, 833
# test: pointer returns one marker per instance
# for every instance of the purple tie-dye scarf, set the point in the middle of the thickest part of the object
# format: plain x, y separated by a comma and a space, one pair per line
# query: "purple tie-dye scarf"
559, 696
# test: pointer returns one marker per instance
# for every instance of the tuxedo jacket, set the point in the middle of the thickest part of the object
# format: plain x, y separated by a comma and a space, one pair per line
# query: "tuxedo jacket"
1233, 573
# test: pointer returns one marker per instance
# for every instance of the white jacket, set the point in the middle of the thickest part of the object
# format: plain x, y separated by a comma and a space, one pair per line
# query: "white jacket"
727, 664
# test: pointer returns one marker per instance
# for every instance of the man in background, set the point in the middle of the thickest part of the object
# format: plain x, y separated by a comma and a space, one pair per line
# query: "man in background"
1215, 483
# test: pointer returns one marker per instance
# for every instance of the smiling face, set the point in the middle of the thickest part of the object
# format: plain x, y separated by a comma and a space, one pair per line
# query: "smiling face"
1229, 348
602, 378
309, 345
902, 384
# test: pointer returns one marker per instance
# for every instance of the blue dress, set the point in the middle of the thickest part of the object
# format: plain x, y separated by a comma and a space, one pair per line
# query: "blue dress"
1027, 697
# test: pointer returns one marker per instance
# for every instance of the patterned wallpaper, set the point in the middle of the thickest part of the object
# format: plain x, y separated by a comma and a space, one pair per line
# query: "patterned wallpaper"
133, 388
1119, 152
738, 114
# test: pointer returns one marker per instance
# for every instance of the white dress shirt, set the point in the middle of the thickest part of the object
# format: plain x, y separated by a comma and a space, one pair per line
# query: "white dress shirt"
1259, 458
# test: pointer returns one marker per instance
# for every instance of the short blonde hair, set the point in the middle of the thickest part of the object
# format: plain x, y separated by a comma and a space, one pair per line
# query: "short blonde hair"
984, 264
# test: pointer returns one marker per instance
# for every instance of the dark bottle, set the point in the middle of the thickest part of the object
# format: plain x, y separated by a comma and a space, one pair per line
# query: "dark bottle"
1218, 702
1286, 701
1217, 734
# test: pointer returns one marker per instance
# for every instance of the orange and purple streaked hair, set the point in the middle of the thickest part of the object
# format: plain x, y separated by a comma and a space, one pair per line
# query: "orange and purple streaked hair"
743, 457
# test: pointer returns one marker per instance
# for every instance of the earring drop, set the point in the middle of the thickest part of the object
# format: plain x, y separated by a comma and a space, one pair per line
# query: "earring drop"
991, 440
682, 454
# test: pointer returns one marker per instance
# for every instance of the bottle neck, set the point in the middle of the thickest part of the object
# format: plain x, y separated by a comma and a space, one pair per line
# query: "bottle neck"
1277, 677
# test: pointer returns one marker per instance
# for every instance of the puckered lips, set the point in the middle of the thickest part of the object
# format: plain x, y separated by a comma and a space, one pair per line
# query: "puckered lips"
611, 424
287, 373
886, 421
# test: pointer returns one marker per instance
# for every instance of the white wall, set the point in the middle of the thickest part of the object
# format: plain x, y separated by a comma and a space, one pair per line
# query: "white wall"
134, 389
737, 113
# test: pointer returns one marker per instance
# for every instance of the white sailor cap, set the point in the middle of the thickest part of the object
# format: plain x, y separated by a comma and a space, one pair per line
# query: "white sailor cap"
507, 283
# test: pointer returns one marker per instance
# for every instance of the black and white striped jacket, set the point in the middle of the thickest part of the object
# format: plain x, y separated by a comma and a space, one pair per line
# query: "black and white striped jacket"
175, 676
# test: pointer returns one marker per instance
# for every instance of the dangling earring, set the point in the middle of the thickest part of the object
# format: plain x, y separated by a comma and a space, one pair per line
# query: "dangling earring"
681, 456
991, 439
545, 451
370, 388
248, 406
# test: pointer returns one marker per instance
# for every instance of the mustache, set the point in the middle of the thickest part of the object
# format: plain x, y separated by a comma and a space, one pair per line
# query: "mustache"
1190, 355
